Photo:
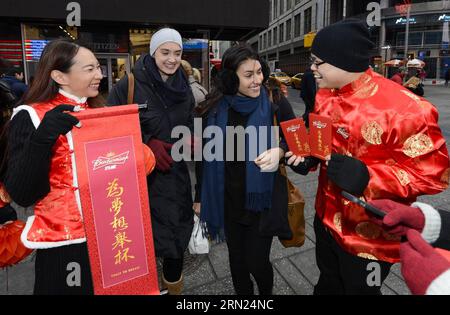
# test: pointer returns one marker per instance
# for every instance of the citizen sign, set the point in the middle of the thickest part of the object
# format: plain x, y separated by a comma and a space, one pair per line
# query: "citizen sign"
110, 161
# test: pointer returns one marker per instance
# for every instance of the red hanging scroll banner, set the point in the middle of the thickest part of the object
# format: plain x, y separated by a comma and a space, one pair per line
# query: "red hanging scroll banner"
113, 191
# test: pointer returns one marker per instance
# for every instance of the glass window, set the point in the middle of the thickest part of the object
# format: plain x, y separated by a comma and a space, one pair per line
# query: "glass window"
433, 38
307, 20
275, 35
288, 29
415, 39
275, 9
270, 11
297, 24
282, 33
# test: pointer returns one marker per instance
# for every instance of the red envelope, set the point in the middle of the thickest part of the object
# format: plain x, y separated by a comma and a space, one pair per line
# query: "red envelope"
320, 129
296, 135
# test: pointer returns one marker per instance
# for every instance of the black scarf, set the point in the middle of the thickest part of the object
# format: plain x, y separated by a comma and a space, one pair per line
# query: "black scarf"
175, 90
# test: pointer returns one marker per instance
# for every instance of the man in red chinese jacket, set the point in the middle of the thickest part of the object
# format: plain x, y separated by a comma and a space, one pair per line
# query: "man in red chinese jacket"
386, 144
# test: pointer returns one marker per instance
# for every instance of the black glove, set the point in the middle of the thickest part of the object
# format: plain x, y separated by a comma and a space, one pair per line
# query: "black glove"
54, 124
348, 173
7, 213
304, 167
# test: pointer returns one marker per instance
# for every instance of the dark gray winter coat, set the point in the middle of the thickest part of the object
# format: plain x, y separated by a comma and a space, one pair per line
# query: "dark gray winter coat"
169, 193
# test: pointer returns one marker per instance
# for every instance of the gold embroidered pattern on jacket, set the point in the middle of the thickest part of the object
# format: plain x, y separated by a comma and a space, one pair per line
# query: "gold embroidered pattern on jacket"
402, 176
338, 221
367, 91
390, 162
368, 230
417, 145
362, 80
411, 95
367, 256
391, 237
4, 196
372, 132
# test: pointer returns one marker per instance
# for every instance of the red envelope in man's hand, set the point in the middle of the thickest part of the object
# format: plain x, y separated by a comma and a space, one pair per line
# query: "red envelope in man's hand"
296, 135
320, 129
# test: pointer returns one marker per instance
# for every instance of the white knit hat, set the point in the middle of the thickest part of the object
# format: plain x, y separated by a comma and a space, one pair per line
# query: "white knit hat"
163, 36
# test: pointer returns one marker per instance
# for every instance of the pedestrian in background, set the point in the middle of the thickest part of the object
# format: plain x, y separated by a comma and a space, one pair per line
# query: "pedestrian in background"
14, 78
308, 94
197, 89
447, 77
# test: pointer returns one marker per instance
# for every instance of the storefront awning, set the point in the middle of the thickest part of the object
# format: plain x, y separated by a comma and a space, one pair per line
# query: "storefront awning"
223, 19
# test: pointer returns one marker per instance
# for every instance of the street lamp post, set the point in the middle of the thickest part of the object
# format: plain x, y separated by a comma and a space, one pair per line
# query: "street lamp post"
408, 15
344, 10
385, 48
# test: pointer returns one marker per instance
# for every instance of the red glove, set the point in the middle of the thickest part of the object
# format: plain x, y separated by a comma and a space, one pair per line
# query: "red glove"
399, 218
160, 150
195, 143
421, 263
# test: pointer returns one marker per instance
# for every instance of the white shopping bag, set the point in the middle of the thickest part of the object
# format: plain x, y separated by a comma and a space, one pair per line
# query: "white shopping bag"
199, 243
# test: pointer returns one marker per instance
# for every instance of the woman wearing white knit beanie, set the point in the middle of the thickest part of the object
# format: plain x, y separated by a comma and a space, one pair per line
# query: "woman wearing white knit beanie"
160, 83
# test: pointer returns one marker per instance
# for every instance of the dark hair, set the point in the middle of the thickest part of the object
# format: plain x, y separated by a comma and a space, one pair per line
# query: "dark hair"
227, 81
4, 65
57, 55
13, 71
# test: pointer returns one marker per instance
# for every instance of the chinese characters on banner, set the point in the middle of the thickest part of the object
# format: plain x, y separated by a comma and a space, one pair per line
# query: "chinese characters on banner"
113, 192
119, 223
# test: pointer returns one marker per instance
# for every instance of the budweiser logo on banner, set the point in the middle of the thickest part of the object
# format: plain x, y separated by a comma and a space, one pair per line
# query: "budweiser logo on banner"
293, 128
110, 161
319, 124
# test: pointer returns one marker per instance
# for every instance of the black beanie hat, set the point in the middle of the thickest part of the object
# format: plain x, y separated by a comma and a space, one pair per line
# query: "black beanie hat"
345, 45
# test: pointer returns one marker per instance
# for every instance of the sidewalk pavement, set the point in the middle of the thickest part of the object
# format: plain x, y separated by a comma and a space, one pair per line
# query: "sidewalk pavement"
295, 269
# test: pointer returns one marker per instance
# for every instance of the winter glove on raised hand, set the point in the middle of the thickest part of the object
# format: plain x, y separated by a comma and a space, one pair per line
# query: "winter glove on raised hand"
160, 150
299, 166
7, 213
399, 217
348, 173
421, 263
54, 124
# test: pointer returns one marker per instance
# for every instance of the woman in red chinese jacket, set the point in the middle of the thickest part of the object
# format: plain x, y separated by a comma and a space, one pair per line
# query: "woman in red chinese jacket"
39, 168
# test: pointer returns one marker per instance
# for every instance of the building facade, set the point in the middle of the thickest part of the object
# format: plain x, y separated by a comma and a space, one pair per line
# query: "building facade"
428, 35
292, 21
118, 32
